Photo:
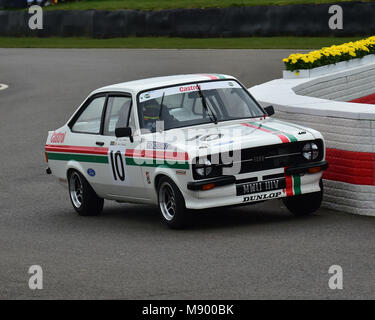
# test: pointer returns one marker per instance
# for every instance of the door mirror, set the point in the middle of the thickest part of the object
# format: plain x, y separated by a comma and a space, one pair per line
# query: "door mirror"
124, 132
270, 110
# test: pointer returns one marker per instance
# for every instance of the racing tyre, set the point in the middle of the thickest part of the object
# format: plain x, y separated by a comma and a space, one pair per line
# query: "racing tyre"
82, 195
172, 204
305, 204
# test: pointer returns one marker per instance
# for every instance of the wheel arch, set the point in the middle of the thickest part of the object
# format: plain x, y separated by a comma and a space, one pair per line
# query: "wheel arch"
69, 171
157, 178
74, 165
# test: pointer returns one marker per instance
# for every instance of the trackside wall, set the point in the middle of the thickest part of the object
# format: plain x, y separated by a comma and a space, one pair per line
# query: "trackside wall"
348, 128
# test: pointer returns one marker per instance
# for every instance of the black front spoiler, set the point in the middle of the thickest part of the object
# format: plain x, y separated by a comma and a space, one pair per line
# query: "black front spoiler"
218, 182
304, 168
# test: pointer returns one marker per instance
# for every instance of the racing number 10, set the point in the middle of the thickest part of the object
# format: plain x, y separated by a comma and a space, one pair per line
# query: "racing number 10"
117, 163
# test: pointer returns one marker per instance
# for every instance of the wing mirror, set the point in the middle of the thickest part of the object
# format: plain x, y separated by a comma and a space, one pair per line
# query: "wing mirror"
270, 110
124, 132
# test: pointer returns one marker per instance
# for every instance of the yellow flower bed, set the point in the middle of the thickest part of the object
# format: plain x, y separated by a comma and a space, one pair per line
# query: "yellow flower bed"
330, 55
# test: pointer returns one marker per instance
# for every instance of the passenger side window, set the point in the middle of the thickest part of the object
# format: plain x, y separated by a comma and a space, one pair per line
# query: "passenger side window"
236, 105
90, 119
117, 114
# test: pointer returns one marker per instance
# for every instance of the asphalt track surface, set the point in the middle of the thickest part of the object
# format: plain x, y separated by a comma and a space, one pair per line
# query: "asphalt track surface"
253, 252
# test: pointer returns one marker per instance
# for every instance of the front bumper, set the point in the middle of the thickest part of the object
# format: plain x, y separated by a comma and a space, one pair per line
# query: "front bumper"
227, 180
221, 191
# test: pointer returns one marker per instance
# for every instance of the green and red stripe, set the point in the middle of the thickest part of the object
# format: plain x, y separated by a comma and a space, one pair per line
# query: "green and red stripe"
77, 157
77, 149
157, 158
77, 153
284, 137
293, 185
157, 154
213, 76
150, 158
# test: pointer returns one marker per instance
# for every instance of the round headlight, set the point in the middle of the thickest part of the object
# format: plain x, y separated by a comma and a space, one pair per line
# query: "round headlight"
203, 168
310, 151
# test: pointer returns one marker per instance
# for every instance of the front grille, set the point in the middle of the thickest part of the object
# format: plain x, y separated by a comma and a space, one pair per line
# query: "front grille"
275, 156
268, 157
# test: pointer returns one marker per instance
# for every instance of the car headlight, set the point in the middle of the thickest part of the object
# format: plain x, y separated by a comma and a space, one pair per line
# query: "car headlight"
310, 151
203, 169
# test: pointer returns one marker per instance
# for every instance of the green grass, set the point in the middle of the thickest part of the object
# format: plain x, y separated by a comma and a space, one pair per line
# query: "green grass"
176, 43
172, 4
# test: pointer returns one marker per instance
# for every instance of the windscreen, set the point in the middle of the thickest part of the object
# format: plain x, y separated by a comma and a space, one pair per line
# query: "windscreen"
196, 103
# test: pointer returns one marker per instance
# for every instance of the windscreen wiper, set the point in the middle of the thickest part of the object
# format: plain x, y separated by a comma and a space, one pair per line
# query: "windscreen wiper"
160, 127
210, 112
161, 105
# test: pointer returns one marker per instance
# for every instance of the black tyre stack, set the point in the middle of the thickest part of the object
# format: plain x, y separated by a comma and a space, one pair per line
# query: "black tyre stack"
13, 4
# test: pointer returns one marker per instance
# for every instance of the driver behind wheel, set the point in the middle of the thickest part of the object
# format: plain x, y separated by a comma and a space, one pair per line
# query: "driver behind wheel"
152, 112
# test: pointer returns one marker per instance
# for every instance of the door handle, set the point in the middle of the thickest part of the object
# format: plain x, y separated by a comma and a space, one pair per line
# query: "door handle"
99, 143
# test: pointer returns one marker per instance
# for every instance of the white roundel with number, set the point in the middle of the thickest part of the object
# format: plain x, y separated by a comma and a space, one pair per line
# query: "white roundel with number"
117, 164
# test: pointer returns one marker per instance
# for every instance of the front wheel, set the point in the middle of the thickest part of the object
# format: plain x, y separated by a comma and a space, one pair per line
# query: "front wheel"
305, 204
82, 195
172, 204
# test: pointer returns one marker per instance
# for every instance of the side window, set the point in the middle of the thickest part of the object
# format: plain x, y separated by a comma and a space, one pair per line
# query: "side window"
117, 114
236, 105
90, 119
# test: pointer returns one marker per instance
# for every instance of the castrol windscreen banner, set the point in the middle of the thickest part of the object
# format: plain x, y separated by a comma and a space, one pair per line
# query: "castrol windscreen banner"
186, 88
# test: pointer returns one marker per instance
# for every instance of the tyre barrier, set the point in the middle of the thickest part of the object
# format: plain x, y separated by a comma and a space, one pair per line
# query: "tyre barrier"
13, 4
285, 20
327, 103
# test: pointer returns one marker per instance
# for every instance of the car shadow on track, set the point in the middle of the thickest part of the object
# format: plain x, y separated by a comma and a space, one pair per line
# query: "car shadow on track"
252, 215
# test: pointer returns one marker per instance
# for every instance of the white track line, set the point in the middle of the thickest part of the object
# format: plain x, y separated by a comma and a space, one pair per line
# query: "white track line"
3, 86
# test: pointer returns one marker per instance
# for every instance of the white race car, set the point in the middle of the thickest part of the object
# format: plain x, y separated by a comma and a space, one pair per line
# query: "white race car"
184, 143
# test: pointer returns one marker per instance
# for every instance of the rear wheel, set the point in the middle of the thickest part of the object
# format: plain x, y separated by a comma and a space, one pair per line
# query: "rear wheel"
82, 195
305, 204
172, 204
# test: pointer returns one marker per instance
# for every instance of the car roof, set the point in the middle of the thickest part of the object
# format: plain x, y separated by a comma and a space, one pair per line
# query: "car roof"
151, 83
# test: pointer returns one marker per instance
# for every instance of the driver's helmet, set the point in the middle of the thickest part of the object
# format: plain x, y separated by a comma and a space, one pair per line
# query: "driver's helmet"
151, 111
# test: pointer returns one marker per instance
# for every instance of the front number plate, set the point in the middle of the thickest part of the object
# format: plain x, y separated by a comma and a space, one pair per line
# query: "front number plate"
261, 186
